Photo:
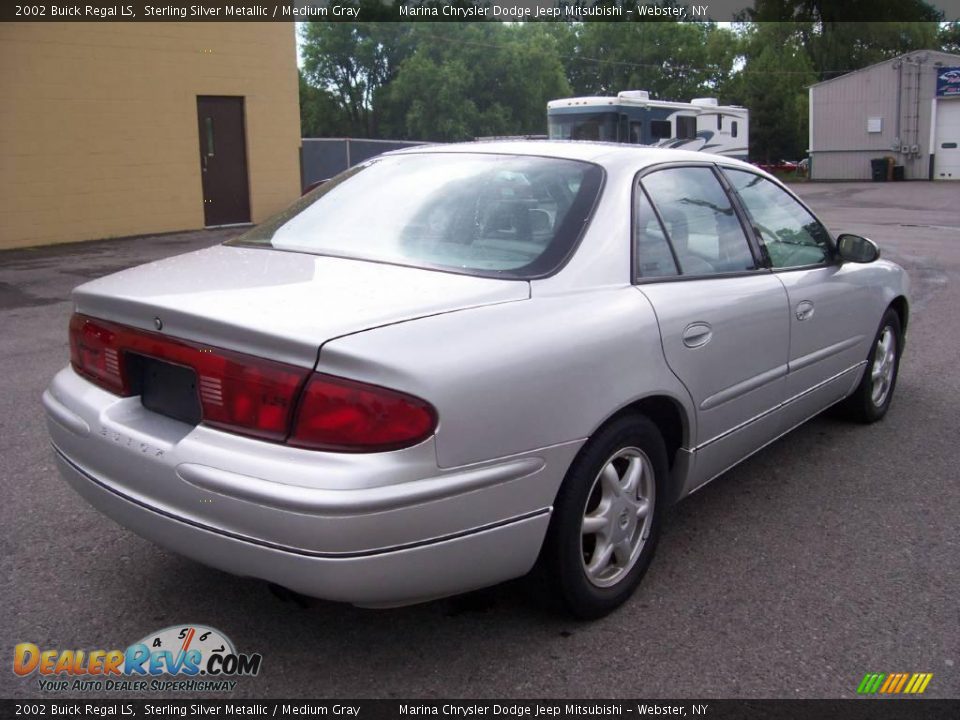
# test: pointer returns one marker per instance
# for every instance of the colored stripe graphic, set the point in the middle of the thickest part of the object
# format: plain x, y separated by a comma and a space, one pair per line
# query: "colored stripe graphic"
918, 683
894, 683
870, 683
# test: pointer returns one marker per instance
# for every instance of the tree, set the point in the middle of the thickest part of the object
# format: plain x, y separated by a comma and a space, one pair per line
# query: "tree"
353, 62
674, 61
468, 80
773, 85
949, 40
840, 37
320, 113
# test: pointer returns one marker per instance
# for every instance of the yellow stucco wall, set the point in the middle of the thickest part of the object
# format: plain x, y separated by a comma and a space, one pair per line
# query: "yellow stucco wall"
98, 124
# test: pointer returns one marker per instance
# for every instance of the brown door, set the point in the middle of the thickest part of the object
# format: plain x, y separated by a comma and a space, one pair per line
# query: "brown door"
223, 160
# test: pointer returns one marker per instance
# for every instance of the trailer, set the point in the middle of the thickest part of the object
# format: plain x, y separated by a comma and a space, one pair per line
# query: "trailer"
633, 117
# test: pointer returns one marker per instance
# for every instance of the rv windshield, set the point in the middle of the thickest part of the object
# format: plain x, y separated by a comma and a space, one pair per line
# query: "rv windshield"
583, 126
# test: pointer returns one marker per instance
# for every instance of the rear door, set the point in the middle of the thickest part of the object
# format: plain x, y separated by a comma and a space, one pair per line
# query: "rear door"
723, 318
223, 160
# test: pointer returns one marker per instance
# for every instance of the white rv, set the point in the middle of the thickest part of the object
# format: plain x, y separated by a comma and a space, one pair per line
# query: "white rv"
632, 117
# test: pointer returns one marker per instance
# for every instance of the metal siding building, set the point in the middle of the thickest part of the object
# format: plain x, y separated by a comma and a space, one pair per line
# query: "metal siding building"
884, 110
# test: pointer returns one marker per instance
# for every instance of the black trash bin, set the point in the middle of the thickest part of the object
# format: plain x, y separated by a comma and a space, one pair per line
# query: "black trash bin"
878, 169
898, 172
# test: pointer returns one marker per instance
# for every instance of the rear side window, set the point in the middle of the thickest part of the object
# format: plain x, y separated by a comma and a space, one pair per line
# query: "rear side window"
480, 214
700, 221
651, 250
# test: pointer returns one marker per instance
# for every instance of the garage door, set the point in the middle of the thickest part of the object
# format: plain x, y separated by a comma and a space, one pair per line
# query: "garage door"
946, 161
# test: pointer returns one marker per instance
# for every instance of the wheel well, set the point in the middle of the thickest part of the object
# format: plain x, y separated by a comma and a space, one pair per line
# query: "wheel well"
666, 414
899, 304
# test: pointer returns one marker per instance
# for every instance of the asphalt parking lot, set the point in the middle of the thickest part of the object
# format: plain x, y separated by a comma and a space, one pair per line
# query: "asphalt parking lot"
833, 553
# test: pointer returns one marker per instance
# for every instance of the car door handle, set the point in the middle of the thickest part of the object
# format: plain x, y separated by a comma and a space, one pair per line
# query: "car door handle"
804, 310
697, 334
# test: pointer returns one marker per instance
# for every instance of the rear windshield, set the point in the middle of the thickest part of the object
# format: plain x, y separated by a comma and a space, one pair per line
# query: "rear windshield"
480, 214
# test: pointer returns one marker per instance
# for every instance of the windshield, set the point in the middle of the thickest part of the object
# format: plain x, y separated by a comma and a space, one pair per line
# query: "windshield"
583, 126
494, 215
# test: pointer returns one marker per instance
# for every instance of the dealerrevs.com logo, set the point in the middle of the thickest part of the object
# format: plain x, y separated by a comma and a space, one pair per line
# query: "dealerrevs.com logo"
188, 658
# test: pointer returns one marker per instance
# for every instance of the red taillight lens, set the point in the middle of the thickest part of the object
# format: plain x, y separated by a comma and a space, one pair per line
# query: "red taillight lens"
246, 394
253, 396
240, 393
94, 353
346, 416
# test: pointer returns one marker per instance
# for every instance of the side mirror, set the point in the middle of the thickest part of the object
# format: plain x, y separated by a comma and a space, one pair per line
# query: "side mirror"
854, 248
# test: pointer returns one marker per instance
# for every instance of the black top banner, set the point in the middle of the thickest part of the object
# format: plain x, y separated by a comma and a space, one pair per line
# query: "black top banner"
483, 10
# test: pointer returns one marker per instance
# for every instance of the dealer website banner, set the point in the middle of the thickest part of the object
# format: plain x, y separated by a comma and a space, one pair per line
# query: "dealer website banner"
462, 10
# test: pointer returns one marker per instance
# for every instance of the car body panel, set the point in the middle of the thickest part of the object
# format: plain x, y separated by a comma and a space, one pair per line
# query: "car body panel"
398, 577
511, 381
848, 300
325, 503
279, 304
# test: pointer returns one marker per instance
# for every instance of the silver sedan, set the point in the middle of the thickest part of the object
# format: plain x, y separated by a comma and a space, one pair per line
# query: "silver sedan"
451, 363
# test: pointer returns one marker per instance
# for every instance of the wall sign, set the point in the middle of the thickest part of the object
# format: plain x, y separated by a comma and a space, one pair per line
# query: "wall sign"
948, 81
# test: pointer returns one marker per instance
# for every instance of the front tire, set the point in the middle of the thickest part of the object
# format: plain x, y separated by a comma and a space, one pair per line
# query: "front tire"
607, 516
872, 398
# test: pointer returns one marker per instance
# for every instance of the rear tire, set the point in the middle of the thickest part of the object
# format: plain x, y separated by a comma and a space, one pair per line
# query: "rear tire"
607, 516
872, 398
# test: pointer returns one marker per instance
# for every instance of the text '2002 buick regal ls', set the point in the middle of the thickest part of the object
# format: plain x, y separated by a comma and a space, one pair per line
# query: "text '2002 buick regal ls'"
450, 363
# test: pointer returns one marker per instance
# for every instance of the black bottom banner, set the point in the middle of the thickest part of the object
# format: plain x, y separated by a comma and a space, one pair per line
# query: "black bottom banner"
858, 709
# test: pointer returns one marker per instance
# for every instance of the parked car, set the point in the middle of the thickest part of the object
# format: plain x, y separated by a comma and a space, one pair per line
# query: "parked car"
779, 166
451, 362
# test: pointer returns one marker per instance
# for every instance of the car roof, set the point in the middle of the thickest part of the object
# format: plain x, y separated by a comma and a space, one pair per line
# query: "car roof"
606, 154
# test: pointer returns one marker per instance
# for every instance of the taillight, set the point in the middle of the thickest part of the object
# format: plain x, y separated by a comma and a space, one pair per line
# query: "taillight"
347, 416
237, 392
94, 352
246, 394
254, 396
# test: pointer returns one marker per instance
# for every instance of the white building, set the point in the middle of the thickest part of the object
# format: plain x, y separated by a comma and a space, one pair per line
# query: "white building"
906, 108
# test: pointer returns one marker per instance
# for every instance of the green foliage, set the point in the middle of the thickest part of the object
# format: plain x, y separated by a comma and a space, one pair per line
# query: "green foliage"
674, 61
773, 85
320, 113
451, 81
949, 39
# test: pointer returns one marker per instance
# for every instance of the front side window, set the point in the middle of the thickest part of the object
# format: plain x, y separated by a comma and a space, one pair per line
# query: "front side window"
700, 221
792, 236
480, 214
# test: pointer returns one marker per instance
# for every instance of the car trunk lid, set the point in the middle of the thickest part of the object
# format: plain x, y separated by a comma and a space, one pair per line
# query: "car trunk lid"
280, 305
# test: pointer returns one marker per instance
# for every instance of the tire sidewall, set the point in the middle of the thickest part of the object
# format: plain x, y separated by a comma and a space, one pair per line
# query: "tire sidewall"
580, 596
869, 410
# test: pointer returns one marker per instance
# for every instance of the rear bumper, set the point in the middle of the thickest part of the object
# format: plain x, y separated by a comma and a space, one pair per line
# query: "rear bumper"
377, 530
413, 574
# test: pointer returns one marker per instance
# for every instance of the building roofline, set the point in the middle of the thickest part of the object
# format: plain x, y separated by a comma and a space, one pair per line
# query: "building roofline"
885, 62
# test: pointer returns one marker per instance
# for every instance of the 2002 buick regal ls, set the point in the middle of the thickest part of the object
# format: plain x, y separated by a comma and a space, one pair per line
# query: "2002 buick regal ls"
450, 362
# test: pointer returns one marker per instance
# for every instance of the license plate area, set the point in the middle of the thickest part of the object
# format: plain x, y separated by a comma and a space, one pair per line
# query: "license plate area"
166, 388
